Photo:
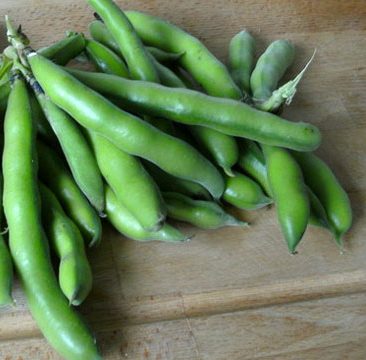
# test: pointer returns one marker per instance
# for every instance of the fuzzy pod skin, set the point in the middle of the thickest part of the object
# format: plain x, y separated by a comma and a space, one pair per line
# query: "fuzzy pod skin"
75, 275
78, 154
241, 59
289, 194
129, 133
270, 68
222, 148
252, 162
57, 177
134, 53
170, 183
318, 216
207, 70
322, 181
130, 182
200, 213
65, 49
119, 216
61, 326
105, 59
194, 108
244, 193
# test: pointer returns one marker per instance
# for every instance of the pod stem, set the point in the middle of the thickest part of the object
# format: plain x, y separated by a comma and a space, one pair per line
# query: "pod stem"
285, 93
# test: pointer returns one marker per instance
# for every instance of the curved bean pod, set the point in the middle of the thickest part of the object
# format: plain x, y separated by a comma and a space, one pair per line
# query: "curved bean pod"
59, 180
200, 213
4, 95
241, 59
139, 64
75, 276
197, 59
194, 108
78, 154
130, 182
251, 160
126, 131
66, 331
65, 49
329, 191
127, 225
105, 59
244, 193
270, 68
164, 57
289, 194
167, 76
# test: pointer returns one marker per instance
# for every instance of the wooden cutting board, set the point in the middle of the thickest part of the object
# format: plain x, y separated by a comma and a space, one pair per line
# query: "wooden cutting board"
233, 293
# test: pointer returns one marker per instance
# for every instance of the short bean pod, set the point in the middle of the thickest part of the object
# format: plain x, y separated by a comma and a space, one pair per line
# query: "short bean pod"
75, 276
119, 216
289, 194
244, 193
321, 180
130, 182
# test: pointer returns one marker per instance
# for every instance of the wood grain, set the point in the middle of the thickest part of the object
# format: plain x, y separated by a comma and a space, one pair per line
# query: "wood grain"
233, 294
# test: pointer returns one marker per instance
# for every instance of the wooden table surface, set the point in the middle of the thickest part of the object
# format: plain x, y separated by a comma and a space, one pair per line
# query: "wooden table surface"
233, 293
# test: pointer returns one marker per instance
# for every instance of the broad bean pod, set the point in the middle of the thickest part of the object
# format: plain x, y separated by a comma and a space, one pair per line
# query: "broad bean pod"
75, 276
62, 327
194, 108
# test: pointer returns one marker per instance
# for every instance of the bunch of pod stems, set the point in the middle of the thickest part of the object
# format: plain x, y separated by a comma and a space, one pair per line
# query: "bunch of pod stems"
157, 129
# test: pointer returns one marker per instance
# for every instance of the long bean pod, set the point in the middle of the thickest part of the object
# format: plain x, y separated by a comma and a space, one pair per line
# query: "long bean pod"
66, 331
194, 108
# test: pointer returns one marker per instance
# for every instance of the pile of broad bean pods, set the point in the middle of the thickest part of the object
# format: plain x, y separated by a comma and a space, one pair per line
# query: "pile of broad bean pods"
160, 130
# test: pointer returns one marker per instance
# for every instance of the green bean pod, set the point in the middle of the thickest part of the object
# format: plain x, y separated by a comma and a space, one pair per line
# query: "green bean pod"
167, 77
62, 327
6, 263
197, 59
78, 154
126, 131
329, 191
6, 274
43, 126
193, 108
222, 148
55, 175
99, 32
244, 193
134, 53
170, 183
318, 216
241, 59
270, 68
119, 216
200, 213
130, 182
164, 57
75, 276
289, 194
251, 160
65, 49
105, 59
4, 95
